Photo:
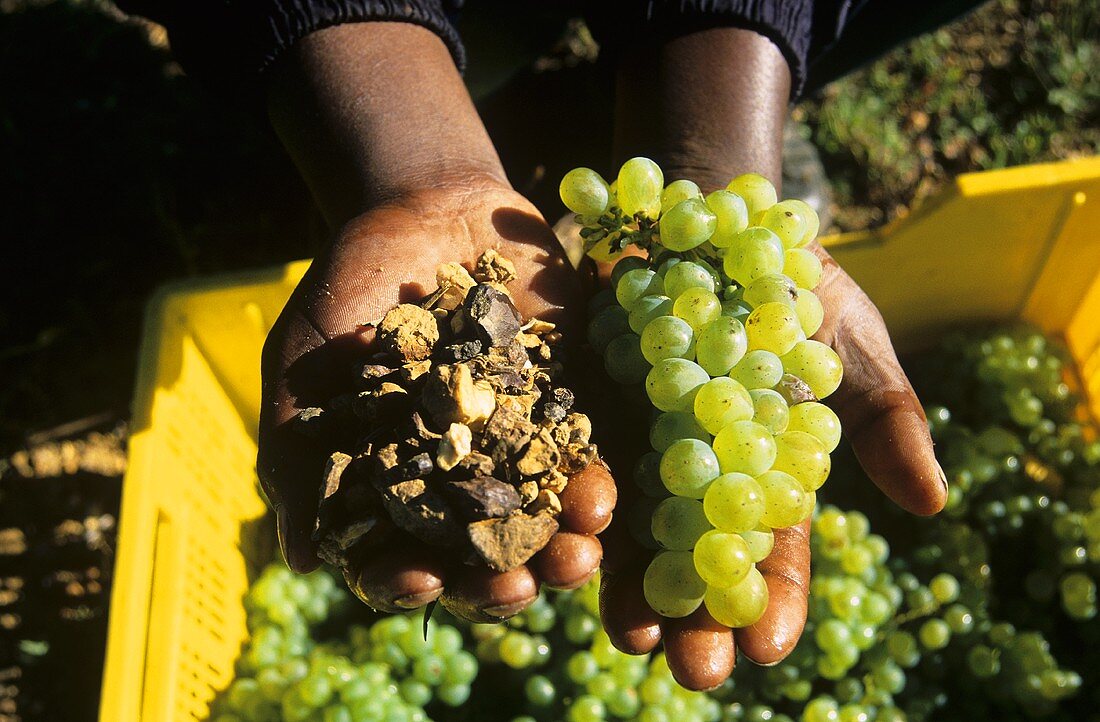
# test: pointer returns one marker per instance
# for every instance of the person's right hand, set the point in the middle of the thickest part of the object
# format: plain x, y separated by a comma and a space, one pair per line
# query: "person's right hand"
386, 256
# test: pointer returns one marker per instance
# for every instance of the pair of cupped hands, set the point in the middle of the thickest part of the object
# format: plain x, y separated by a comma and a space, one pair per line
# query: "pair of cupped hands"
389, 255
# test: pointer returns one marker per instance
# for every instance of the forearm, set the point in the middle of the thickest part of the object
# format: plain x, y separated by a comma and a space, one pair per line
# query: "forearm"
707, 106
369, 111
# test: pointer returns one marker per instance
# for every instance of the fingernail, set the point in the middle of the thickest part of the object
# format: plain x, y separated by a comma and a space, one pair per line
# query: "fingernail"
943, 476
503, 611
416, 601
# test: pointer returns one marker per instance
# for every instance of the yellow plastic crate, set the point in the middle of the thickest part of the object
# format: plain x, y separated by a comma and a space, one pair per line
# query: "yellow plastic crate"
1002, 245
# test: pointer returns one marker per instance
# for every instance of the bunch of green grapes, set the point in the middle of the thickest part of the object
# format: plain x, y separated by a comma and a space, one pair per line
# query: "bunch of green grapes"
387, 671
714, 323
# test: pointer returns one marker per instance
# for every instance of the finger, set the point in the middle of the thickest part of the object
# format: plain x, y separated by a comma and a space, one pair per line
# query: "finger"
699, 650
588, 500
481, 595
397, 576
787, 573
568, 560
880, 412
290, 468
633, 627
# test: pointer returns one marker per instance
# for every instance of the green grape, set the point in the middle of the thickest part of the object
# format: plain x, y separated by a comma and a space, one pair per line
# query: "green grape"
816, 364
676, 191
584, 192
817, 420
579, 628
740, 605
315, 690
540, 691
698, 307
671, 585
832, 634
734, 503
647, 470
803, 266
745, 447
784, 499
639, 187
853, 713
769, 410
732, 214
785, 221
810, 312
686, 225
804, 457
773, 327
721, 402
760, 541
415, 692
983, 661
758, 369
720, 345
673, 382
646, 309
934, 634
625, 264
635, 284
675, 425
721, 559
821, 709
736, 308
461, 669
453, 695
678, 522
945, 588
429, 670
756, 190
603, 686
582, 667
667, 337
772, 288
809, 216
687, 274
624, 703
624, 361
754, 253
959, 619
687, 467
517, 650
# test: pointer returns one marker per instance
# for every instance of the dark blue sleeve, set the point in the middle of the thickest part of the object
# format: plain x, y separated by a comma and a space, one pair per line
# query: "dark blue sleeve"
227, 42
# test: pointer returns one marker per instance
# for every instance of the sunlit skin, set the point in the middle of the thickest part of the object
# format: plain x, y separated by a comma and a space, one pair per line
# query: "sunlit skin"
379, 123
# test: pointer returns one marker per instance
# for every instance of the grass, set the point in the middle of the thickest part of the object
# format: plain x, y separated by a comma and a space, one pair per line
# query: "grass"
1014, 82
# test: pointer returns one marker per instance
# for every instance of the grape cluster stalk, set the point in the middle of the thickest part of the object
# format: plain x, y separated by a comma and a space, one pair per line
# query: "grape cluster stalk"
713, 321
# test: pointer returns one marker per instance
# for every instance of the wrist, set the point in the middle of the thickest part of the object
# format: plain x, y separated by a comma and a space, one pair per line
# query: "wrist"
371, 112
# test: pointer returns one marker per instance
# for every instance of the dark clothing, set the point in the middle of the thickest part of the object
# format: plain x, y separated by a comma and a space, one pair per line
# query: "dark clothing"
228, 41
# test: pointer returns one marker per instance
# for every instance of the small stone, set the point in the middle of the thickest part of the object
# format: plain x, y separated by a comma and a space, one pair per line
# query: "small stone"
454, 282
380, 402
529, 340
414, 370
580, 428
386, 456
563, 397
422, 512
334, 469
540, 456
553, 412
334, 546
528, 492
458, 352
538, 327
408, 331
477, 464
522, 404
310, 422
372, 372
482, 497
451, 396
421, 429
492, 315
546, 501
510, 382
506, 434
492, 267
555, 481
454, 445
576, 457
505, 544
794, 390
512, 357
